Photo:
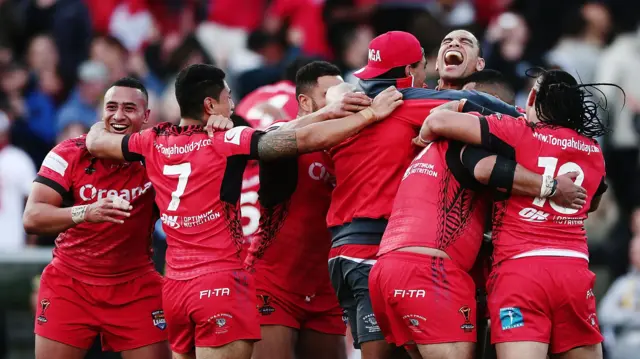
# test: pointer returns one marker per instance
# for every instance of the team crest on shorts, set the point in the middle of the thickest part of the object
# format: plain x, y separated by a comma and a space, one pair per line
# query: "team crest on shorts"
158, 319
467, 326
44, 304
265, 308
511, 317
221, 321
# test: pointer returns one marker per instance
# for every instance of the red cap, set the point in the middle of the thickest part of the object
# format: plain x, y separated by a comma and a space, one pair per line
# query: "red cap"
389, 50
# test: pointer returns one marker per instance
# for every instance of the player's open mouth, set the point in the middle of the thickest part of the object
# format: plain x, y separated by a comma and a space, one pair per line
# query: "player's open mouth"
119, 127
453, 58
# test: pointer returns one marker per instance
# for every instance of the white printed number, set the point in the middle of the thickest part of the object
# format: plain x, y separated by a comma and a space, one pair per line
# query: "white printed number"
248, 209
183, 171
550, 164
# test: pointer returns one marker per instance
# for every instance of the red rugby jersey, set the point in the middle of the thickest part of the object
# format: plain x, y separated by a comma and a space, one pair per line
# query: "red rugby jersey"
281, 95
197, 181
250, 206
295, 241
100, 253
524, 224
436, 206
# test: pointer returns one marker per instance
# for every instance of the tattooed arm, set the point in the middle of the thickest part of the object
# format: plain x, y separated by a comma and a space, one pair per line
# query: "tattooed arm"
323, 135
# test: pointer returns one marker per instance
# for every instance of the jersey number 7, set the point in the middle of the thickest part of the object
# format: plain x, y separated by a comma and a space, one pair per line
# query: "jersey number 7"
550, 164
183, 171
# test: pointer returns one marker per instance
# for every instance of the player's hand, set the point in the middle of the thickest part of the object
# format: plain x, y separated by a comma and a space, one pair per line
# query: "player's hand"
386, 102
451, 106
218, 123
568, 194
342, 101
110, 209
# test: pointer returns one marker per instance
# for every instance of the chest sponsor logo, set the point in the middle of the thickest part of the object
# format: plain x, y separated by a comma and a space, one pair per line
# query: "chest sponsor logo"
318, 172
89, 192
533, 215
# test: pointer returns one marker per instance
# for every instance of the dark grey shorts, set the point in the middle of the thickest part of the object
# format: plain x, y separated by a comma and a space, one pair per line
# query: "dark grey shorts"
351, 283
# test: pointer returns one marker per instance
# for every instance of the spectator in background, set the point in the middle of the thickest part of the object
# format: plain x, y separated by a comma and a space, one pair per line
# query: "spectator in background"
16, 174
115, 56
82, 105
619, 313
68, 22
619, 64
578, 51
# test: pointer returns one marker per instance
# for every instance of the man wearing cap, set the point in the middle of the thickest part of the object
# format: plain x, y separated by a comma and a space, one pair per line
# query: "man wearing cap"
368, 169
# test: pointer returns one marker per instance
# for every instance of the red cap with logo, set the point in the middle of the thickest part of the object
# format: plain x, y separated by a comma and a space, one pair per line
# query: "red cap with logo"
389, 50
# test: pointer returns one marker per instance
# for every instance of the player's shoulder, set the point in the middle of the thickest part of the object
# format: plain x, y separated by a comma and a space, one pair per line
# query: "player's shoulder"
72, 147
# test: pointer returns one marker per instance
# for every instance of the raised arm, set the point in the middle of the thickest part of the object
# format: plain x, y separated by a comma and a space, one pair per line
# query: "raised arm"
508, 177
324, 135
452, 125
104, 144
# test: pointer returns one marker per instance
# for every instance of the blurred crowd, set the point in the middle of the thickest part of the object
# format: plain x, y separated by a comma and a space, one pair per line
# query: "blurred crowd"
57, 57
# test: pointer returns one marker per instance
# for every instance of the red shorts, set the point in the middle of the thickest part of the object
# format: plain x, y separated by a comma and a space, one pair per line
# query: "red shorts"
319, 312
126, 316
211, 310
422, 299
544, 299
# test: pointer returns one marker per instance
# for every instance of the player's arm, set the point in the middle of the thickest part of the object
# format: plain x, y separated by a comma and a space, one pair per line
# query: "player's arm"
349, 104
453, 125
597, 197
104, 144
486, 104
508, 177
323, 135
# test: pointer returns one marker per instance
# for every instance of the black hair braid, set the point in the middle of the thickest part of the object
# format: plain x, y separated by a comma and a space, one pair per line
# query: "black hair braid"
563, 102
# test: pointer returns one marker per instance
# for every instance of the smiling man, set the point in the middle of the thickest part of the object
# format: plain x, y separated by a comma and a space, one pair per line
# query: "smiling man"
101, 280
459, 56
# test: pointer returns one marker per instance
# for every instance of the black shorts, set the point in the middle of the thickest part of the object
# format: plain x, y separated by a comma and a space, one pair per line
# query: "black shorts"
351, 282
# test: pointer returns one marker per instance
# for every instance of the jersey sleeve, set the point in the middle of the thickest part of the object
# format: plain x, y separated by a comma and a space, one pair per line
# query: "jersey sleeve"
602, 188
501, 133
57, 168
136, 146
241, 140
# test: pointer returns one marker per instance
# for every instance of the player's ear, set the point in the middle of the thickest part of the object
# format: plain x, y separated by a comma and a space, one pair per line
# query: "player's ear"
209, 106
480, 64
147, 112
305, 103
531, 100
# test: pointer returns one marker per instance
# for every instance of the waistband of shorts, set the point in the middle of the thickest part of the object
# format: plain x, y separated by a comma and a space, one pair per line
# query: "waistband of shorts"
98, 280
358, 231
547, 260
413, 257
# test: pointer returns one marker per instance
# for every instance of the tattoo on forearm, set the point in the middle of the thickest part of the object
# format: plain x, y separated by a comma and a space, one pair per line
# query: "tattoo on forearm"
277, 144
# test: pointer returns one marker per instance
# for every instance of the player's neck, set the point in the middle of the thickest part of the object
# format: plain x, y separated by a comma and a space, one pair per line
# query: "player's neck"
189, 122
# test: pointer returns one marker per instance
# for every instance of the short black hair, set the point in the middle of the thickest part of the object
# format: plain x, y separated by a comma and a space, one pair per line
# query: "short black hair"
309, 74
131, 83
194, 84
292, 69
494, 79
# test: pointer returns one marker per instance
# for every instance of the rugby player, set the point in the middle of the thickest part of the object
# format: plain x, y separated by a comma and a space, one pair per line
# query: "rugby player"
541, 290
491, 82
368, 169
432, 241
209, 299
459, 56
101, 280
299, 312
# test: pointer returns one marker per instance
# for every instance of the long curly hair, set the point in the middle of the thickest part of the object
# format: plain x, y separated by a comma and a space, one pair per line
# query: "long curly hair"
563, 102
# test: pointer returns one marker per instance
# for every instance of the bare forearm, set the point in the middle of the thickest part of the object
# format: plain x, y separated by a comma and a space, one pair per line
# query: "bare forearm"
525, 182
306, 120
104, 144
313, 137
452, 125
42, 218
